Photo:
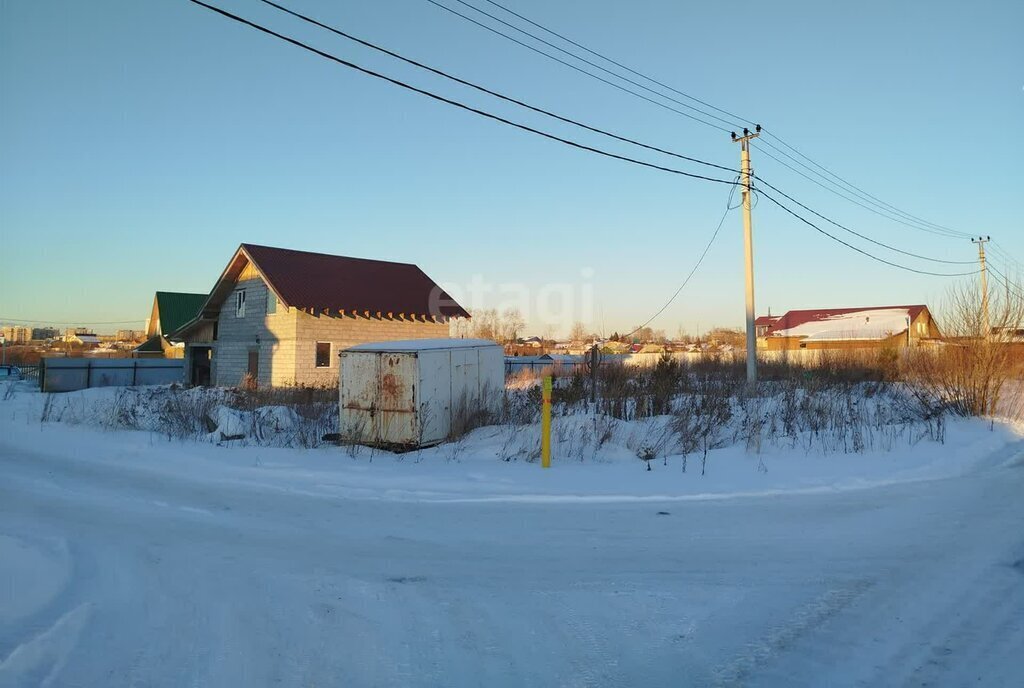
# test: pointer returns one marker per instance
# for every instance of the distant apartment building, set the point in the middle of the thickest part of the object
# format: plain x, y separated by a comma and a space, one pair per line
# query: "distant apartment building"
72, 331
129, 335
17, 334
41, 333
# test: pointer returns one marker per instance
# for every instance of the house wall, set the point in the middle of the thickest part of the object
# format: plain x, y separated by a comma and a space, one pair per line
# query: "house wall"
271, 334
153, 322
793, 343
345, 331
171, 351
287, 338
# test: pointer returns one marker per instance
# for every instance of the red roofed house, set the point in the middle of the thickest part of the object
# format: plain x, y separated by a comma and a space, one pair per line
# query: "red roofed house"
849, 328
764, 323
279, 317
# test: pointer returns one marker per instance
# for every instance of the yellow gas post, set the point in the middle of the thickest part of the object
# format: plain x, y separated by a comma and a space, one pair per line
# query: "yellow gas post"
545, 425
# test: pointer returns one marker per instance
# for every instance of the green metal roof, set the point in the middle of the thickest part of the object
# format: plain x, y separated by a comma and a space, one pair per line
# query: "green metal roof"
177, 308
153, 345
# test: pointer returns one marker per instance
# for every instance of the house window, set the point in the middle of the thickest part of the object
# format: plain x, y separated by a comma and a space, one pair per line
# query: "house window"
271, 304
922, 329
240, 303
323, 354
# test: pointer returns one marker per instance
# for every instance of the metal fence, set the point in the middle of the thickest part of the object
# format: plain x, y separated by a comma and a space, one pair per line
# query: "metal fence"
29, 372
70, 374
562, 365
561, 369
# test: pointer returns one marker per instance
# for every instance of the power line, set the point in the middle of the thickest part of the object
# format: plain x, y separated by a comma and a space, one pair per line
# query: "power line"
1016, 289
860, 250
728, 207
857, 189
854, 200
488, 91
864, 196
879, 208
737, 118
580, 69
455, 103
858, 234
1005, 255
73, 322
544, 134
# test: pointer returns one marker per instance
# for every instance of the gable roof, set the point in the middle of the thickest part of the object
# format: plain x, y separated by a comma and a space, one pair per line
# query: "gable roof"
872, 322
320, 282
177, 308
324, 282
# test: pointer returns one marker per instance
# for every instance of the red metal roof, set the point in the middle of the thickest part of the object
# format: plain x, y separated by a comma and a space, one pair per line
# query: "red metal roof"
324, 282
793, 318
766, 320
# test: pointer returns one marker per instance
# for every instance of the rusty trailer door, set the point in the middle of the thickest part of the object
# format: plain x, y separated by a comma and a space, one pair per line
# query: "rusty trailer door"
396, 392
377, 398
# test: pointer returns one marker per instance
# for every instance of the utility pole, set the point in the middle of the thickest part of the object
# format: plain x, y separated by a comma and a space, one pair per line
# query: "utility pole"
748, 247
981, 241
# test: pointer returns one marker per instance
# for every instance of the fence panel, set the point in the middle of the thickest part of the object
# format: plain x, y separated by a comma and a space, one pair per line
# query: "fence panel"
70, 374
29, 372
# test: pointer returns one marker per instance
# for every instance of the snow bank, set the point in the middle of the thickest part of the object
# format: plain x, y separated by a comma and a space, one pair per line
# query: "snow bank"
594, 458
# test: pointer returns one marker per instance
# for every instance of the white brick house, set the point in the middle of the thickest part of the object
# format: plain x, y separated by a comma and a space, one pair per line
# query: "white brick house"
279, 317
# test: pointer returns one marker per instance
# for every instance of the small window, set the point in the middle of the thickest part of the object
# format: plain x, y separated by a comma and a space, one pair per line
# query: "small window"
240, 303
271, 304
323, 354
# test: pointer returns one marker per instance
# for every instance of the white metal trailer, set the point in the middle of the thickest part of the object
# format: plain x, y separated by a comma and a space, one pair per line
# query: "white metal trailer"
407, 393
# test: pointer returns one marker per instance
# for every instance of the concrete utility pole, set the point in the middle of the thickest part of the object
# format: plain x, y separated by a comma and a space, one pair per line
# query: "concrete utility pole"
748, 247
981, 241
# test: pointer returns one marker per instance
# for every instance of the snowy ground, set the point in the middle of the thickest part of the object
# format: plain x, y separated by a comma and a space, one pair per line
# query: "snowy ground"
127, 559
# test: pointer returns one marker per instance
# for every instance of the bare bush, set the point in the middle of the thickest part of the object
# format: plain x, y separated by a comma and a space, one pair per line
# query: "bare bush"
701, 418
187, 414
978, 356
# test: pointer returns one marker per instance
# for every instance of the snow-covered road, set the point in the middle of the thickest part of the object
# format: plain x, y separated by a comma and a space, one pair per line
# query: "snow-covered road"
118, 576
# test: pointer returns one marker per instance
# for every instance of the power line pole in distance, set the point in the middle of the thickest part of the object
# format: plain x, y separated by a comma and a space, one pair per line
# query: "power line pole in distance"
748, 246
981, 241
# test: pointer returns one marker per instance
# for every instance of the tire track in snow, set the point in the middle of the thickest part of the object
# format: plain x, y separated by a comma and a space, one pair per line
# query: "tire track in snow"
780, 637
40, 660
965, 637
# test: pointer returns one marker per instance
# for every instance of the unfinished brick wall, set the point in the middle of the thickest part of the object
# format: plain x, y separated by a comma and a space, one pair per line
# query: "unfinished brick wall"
345, 331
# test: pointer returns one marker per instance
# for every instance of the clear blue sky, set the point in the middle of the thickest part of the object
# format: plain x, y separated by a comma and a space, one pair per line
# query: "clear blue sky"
141, 142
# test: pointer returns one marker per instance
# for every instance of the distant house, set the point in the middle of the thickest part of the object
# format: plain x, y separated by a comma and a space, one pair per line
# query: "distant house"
615, 348
86, 339
171, 310
850, 328
533, 342
279, 317
763, 324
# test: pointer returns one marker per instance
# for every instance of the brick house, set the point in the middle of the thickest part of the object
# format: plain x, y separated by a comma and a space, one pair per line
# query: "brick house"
872, 327
279, 317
